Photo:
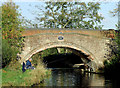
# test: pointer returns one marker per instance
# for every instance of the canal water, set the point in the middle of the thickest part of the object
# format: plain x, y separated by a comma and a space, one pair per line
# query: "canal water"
77, 78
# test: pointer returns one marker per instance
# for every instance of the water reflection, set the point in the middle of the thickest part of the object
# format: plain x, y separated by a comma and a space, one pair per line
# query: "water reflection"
77, 78
73, 77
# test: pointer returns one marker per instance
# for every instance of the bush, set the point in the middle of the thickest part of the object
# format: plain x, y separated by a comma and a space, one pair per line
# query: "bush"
112, 66
8, 53
36, 78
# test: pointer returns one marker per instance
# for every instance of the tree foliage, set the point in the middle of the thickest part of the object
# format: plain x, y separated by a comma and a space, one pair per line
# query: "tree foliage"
0, 17
71, 15
8, 53
12, 28
112, 66
11, 24
116, 12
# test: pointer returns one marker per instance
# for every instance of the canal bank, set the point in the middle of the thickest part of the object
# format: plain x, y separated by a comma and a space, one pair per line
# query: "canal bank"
13, 75
70, 77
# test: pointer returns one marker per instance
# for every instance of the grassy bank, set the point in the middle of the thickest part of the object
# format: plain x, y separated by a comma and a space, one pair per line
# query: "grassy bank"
13, 76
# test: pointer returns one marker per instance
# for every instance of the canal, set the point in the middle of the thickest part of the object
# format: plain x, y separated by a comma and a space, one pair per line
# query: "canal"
77, 78
62, 74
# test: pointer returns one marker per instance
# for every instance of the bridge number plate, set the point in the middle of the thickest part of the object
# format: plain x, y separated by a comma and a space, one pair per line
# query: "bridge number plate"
60, 37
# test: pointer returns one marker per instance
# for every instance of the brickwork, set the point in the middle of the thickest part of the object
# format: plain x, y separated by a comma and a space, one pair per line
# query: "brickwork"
90, 43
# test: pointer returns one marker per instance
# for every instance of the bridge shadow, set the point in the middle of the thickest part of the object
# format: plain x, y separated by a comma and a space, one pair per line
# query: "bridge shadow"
70, 59
62, 60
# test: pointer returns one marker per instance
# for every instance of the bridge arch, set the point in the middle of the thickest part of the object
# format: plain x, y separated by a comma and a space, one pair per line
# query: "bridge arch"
90, 42
65, 44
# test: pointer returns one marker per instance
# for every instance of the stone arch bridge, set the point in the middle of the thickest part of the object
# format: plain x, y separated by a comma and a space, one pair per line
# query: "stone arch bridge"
90, 45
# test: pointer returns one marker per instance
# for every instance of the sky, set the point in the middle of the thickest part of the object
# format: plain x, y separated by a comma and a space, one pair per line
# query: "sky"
28, 7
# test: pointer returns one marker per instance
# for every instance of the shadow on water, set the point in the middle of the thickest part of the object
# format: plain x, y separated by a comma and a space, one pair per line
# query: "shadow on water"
62, 74
77, 78
71, 77
62, 60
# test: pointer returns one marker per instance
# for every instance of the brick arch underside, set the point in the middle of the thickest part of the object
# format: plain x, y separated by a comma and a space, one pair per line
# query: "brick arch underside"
60, 44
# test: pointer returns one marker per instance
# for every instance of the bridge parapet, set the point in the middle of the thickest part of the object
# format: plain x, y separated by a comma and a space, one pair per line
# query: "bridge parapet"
97, 33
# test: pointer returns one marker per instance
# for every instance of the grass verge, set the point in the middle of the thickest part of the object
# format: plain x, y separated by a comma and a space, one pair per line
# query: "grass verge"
13, 75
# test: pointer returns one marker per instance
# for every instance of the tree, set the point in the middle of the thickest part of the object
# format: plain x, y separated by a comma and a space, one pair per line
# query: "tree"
12, 28
12, 24
116, 12
113, 64
8, 53
0, 17
71, 15
119, 15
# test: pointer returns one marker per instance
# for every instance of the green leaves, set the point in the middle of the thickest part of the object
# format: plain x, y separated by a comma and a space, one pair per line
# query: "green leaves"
11, 32
11, 23
71, 15
8, 53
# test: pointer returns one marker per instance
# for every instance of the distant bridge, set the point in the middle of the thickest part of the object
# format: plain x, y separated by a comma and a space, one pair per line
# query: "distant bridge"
90, 45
